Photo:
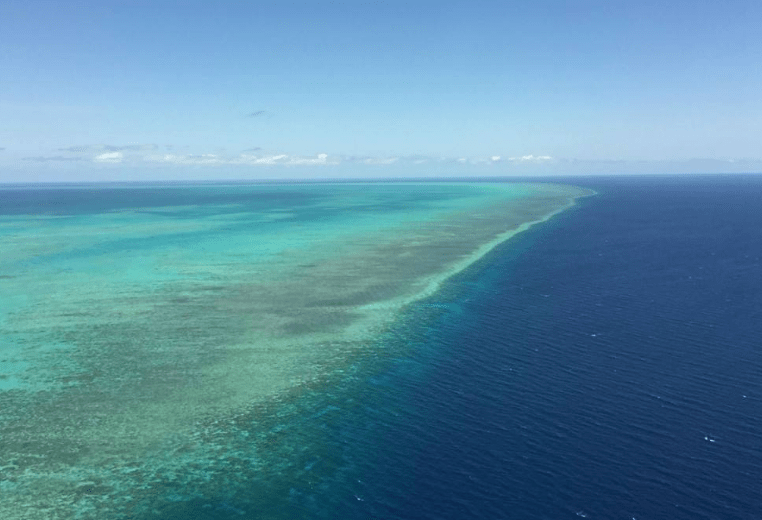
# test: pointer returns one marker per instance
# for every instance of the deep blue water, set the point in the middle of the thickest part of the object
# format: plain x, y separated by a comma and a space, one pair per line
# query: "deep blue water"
607, 364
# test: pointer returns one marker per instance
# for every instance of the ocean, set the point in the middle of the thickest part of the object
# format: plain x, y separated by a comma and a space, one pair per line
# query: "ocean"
605, 363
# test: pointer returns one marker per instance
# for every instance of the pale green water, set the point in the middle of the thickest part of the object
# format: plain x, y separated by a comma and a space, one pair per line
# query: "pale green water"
139, 327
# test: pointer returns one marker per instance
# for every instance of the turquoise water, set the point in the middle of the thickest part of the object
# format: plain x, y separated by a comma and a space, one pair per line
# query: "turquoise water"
157, 340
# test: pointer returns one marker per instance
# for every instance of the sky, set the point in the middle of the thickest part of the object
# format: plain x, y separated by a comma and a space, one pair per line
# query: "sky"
132, 90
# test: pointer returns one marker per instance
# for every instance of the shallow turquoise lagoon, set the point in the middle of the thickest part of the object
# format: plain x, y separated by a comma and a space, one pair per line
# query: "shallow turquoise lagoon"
154, 340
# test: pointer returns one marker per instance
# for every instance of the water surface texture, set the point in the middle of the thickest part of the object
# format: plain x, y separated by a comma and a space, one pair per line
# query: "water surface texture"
176, 351
604, 365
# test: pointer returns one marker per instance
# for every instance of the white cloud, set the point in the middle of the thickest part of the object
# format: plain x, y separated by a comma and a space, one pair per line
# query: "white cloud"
188, 159
253, 158
112, 157
531, 158
365, 159
243, 159
321, 158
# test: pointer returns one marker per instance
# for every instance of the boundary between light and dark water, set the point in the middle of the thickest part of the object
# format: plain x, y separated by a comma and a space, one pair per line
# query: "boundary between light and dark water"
436, 281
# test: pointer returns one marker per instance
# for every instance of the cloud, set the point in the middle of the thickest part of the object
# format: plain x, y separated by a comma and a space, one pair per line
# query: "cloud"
531, 158
188, 159
254, 156
429, 159
250, 157
284, 159
110, 148
257, 113
111, 154
321, 158
494, 159
41, 158
242, 159
111, 157
366, 159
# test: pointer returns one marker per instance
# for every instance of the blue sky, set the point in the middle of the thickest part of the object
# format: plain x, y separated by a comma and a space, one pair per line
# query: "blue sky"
129, 90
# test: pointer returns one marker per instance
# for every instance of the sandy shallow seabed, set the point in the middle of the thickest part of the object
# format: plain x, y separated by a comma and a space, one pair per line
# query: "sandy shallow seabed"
140, 384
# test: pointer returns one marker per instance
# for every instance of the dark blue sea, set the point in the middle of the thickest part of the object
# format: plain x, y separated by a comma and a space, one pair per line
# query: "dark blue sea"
604, 365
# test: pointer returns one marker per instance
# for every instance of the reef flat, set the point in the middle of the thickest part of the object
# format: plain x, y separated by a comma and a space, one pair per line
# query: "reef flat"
152, 335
